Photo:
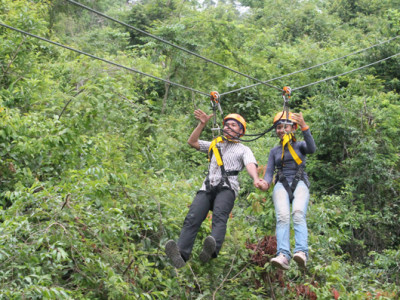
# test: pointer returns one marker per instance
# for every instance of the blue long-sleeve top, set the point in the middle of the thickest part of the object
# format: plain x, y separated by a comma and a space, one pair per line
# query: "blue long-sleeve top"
289, 169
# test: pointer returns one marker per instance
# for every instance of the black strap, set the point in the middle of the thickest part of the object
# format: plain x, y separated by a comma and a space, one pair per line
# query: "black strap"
224, 174
281, 178
299, 176
288, 188
232, 173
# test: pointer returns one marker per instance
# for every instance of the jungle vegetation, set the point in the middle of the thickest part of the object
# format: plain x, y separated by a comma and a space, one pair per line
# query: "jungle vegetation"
96, 174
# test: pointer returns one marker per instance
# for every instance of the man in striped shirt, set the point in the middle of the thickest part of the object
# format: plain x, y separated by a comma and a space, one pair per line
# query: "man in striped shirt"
218, 191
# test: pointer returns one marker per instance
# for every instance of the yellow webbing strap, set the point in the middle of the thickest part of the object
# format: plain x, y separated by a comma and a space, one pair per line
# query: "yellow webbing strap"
286, 140
214, 149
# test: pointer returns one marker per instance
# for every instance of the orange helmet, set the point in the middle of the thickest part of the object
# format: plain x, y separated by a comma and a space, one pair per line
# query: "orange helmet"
237, 118
281, 116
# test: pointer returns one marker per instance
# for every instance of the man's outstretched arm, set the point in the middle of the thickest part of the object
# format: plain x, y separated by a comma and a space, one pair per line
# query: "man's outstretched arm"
203, 118
252, 170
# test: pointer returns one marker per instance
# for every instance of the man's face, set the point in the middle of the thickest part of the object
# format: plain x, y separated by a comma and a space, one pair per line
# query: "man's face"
232, 129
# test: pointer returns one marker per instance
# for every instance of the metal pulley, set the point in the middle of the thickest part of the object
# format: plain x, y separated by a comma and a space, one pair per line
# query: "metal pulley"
286, 93
215, 103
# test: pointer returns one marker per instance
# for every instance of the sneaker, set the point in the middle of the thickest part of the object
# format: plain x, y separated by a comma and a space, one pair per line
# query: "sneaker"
301, 259
280, 262
208, 249
172, 251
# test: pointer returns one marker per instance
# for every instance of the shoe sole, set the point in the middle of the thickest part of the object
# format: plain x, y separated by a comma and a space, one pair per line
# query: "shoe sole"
172, 251
300, 262
279, 266
208, 249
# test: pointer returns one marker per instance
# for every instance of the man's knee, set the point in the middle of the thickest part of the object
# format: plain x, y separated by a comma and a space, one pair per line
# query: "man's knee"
220, 217
192, 220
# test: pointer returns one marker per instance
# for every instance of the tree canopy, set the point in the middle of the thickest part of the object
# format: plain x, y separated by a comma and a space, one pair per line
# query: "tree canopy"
96, 174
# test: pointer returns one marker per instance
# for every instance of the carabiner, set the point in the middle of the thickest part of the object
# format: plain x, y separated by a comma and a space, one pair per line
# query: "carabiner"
215, 102
214, 97
286, 93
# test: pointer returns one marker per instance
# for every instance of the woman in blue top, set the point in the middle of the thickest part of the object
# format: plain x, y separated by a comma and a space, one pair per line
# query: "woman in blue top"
291, 187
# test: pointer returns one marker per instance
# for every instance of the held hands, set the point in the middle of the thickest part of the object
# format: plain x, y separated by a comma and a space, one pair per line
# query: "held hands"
261, 184
202, 116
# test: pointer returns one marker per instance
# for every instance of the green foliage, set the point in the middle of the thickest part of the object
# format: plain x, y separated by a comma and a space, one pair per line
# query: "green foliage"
96, 175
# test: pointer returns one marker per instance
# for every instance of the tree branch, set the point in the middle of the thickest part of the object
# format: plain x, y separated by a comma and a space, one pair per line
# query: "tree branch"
13, 58
230, 270
69, 102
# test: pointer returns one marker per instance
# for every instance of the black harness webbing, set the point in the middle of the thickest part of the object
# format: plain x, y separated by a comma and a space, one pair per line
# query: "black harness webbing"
281, 178
224, 173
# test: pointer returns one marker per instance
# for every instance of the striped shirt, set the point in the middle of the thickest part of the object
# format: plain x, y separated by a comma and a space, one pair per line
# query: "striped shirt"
235, 157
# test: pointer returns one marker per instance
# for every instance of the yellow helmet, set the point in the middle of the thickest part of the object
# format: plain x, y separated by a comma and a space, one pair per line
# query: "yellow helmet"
237, 118
281, 116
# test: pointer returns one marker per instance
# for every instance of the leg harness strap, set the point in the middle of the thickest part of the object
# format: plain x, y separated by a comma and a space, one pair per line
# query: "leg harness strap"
290, 189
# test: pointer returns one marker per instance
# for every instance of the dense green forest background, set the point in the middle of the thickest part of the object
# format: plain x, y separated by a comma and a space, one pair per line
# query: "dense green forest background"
96, 175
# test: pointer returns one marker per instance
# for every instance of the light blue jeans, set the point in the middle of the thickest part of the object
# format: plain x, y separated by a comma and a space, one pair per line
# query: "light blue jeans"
299, 212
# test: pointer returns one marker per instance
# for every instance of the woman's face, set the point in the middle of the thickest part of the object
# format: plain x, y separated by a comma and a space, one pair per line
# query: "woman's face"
282, 129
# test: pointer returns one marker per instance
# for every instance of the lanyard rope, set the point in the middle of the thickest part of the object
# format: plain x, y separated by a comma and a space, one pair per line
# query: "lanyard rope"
286, 141
214, 148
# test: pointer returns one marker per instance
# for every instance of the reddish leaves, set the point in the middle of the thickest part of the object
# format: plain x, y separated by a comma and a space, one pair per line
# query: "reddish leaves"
264, 250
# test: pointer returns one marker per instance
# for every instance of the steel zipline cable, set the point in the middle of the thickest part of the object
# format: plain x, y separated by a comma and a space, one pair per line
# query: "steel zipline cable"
312, 67
123, 67
221, 65
182, 86
171, 44
351, 71
259, 135
104, 60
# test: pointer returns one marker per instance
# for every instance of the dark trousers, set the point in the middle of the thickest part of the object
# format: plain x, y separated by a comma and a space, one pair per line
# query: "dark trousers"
220, 201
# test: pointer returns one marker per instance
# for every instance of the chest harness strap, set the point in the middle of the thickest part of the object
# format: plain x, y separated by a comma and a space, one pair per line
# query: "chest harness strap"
287, 138
216, 150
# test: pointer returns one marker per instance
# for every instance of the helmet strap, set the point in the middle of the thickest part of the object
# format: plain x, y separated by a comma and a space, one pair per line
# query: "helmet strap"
238, 134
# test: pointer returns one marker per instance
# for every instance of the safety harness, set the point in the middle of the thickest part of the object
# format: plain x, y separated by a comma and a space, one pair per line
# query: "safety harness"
287, 141
287, 138
215, 150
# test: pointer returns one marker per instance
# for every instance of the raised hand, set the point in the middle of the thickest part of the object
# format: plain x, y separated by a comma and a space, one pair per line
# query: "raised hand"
202, 116
298, 118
